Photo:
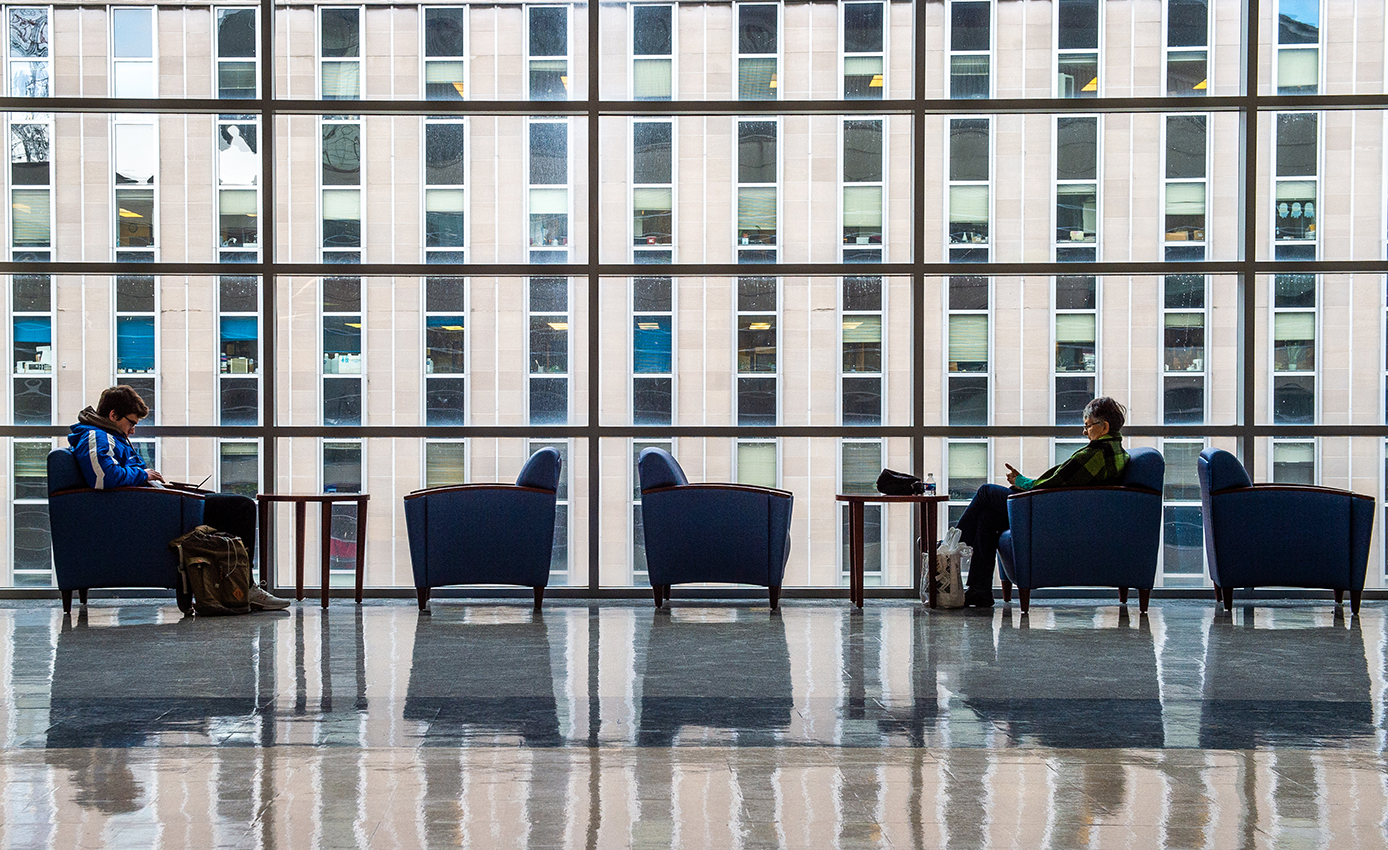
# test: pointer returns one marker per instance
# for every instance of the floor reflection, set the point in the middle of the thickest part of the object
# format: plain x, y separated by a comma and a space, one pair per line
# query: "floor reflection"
707, 726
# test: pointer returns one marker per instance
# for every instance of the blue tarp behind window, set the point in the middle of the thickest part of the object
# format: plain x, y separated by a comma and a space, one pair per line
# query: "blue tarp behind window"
238, 328
135, 343
651, 345
39, 330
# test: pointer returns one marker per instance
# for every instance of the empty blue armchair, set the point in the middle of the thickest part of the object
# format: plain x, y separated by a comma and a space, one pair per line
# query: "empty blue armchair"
486, 533
731, 533
117, 537
1281, 535
1087, 536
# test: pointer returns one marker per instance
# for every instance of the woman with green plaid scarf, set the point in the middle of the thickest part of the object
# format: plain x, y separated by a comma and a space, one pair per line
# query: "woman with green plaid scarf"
1100, 462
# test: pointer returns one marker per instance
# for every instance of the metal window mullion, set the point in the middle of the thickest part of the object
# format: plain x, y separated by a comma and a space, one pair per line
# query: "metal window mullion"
594, 369
1246, 416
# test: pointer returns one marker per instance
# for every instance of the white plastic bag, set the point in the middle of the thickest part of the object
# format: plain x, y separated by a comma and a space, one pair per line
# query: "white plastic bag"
952, 561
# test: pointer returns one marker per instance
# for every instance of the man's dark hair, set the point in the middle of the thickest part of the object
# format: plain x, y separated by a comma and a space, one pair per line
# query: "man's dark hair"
1105, 409
122, 401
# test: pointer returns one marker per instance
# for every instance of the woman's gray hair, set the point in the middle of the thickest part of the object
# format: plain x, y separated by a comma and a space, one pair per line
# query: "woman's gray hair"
1105, 409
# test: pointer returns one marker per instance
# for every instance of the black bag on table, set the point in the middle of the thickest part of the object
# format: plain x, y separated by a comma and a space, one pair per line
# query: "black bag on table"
893, 483
216, 570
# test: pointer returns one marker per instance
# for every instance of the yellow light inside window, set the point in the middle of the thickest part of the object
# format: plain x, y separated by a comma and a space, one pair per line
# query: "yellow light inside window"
24, 208
451, 327
876, 82
1092, 85
1202, 85
648, 326
773, 81
559, 326
125, 213
759, 326
565, 81
459, 87
848, 326
356, 325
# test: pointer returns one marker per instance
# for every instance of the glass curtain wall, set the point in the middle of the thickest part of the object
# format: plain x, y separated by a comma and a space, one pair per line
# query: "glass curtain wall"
889, 234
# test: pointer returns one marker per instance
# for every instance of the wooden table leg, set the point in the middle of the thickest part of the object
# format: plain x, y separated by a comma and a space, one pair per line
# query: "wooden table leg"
859, 533
263, 509
327, 546
361, 545
299, 508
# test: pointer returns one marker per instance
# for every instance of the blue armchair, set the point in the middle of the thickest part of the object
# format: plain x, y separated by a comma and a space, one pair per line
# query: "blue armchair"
1105, 536
732, 533
117, 537
486, 533
1283, 535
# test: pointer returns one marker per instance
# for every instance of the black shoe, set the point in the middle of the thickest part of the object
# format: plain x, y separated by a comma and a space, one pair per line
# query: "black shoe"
978, 598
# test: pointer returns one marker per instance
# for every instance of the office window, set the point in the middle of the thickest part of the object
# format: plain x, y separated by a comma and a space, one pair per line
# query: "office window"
340, 54
135, 165
652, 351
970, 48
1185, 179
969, 190
861, 333
341, 181
33, 543
563, 519
549, 350
132, 52
758, 28
757, 320
757, 463
1298, 46
136, 330
652, 193
1076, 347
652, 52
1183, 534
967, 350
239, 349
342, 351
343, 473
967, 470
864, 66
1187, 47
445, 463
549, 191
863, 191
860, 464
31, 307
1293, 462
757, 172
239, 467
237, 37
1296, 168
1184, 357
445, 351
1077, 48
445, 53
549, 52
1077, 188
1294, 349
445, 190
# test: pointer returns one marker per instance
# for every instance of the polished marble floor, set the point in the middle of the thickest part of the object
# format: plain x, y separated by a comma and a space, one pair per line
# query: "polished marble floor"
704, 726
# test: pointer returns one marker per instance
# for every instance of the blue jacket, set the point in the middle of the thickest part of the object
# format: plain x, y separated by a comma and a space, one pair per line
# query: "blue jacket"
105, 455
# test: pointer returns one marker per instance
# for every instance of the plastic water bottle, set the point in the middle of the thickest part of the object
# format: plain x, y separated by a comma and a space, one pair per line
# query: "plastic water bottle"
930, 484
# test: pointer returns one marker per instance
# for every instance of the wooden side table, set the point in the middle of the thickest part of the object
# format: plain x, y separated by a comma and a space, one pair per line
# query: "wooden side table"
929, 524
300, 502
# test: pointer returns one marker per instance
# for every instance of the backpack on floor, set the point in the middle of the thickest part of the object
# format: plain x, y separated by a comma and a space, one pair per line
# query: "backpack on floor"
216, 570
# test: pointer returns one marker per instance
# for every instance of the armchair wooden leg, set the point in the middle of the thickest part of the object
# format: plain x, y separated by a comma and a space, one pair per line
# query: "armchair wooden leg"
423, 594
655, 590
1354, 598
775, 593
67, 601
539, 597
1025, 594
1219, 594
1144, 595
82, 595
1006, 592
1339, 597
1228, 598
1123, 596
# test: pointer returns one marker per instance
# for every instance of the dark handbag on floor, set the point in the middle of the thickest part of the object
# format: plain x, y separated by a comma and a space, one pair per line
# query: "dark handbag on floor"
216, 569
893, 483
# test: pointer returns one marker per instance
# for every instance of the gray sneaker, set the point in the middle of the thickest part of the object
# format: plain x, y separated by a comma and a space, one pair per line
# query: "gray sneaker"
262, 601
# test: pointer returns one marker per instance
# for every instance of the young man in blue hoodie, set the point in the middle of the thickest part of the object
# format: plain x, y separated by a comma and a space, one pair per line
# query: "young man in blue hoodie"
100, 440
